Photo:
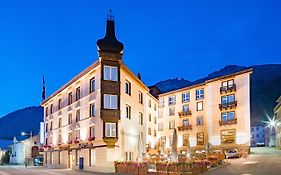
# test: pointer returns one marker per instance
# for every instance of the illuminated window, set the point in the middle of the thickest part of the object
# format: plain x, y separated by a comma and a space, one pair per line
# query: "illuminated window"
185, 109
110, 129
149, 131
172, 100
185, 97
185, 122
199, 94
200, 138
161, 102
227, 99
110, 73
228, 136
129, 156
228, 83
171, 111
226, 116
200, 106
110, 101
92, 157
185, 139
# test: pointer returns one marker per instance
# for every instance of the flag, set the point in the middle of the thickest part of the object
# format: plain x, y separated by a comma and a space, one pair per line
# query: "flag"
43, 90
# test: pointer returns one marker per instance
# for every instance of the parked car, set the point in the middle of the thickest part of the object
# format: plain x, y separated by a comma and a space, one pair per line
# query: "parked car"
261, 144
38, 161
232, 153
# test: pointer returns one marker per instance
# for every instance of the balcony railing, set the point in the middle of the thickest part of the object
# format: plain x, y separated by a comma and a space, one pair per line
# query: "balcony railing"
228, 122
229, 88
185, 128
228, 105
185, 113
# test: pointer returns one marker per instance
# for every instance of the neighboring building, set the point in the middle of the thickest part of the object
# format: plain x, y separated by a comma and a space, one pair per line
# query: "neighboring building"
277, 113
24, 151
4, 147
105, 112
215, 111
258, 134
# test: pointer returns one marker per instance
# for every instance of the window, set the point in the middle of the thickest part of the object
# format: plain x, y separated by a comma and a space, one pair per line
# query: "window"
140, 97
110, 73
59, 139
185, 140
227, 99
70, 98
228, 136
172, 100
128, 87
78, 115
185, 97
78, 93
171, 140
149, 131
155, 107
46, 127
140, 118
160, 126
59, 104
171, 111
110, 129
92, 131
185, 122
225, 116
92, 85
163, 141
110, 101
46, 111
154, 133
77, 134
172, 124
200, 138
129, 156
128, 111
200, 106
59, 122
69, 118
199, 94
160, 114
185, 109
228, 83
51, 126
69, 137
149, 103
51, 109
155, 119
200, 121
149, 117
161, 102
92, 110
92, 157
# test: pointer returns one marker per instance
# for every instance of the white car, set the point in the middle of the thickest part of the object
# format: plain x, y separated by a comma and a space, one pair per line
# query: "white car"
233, 153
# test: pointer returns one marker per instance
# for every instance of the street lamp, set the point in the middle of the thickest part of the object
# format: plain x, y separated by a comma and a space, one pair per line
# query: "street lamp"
26, 134
272, 123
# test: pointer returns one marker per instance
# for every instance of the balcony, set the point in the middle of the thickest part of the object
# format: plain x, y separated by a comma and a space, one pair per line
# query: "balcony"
185, 113
227, 89
228, 105
185, 128
228, 122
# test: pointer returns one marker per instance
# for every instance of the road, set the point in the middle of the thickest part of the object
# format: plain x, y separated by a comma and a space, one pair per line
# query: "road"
262, 161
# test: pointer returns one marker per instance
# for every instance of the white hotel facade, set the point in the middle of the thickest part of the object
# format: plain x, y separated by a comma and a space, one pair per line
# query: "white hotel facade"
105, 112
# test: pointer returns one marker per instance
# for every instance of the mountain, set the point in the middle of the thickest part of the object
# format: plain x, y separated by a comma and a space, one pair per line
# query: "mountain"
265, 87
23, 120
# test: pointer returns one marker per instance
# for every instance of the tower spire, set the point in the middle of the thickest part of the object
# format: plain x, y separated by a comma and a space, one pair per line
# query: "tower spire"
43, 89
110, 43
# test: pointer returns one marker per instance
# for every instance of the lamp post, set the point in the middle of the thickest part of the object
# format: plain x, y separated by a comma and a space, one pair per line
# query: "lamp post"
272, 123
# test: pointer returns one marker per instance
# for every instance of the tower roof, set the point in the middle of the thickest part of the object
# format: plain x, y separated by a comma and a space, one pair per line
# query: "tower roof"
110, 43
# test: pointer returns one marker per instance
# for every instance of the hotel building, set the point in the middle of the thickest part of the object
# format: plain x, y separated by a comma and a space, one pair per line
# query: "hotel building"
106, 113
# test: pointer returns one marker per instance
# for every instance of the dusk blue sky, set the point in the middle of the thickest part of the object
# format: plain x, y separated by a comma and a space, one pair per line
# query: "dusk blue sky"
163, 39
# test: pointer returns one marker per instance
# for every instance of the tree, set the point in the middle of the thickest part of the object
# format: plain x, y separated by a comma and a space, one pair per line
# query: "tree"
6, 158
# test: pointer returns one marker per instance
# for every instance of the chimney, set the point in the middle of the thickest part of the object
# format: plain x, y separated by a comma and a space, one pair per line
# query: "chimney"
139, 76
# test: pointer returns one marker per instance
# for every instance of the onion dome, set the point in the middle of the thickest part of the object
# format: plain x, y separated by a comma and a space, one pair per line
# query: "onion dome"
110, 43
